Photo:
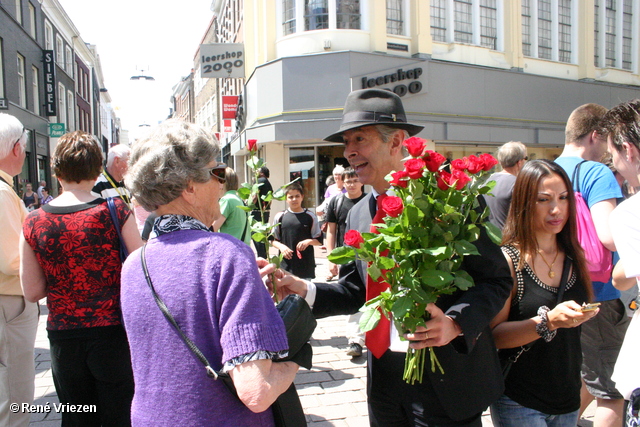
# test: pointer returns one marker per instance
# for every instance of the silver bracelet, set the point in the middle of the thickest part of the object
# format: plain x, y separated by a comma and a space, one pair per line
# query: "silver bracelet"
542, 328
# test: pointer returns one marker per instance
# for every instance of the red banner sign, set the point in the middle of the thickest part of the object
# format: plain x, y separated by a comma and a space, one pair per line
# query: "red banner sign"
229, 106
227, 126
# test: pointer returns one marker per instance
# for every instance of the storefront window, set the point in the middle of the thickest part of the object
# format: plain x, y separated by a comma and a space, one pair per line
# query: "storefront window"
302, 166
328, 158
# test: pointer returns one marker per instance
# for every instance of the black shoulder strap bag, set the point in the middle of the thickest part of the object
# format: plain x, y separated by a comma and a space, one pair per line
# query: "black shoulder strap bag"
299, 324
513, 358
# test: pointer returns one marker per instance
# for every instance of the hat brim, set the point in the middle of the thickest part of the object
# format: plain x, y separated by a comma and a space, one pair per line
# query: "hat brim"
337, 137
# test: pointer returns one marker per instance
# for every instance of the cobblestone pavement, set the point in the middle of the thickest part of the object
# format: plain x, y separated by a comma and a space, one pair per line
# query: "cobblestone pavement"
333, 392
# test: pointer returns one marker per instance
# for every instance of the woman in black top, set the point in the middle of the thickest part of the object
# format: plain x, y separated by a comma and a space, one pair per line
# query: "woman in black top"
30, 198
538, 328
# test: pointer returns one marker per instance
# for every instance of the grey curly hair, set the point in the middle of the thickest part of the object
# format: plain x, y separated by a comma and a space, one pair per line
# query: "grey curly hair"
172, 155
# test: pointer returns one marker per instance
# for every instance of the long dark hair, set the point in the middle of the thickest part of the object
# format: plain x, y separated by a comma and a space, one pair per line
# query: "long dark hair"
519, 227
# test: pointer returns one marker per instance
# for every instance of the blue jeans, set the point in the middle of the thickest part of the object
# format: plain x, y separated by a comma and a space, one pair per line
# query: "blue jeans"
507, 413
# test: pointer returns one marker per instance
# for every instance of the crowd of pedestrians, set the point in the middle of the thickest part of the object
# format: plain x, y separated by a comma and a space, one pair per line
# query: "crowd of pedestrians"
538, 337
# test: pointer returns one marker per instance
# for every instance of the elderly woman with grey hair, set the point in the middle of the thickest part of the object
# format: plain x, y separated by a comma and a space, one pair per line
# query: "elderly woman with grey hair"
211, 285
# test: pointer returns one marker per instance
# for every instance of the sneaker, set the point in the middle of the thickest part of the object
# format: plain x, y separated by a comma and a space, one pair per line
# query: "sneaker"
355, 350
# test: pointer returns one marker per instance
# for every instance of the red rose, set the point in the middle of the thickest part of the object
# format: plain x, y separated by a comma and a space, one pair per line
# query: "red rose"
414, 168
392, 206
443, 180
474, 164
397, 180
459, 163
415, 146
488, 161
251, 144
433, 160
353, 238
460, 178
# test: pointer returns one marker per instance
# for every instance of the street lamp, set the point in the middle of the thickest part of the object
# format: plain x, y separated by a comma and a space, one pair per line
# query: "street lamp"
141, 77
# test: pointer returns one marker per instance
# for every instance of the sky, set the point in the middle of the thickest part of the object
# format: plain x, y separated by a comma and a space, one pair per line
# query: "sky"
158, 37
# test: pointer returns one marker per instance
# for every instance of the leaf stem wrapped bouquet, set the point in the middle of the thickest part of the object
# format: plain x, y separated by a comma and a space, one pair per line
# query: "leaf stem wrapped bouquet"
431, 222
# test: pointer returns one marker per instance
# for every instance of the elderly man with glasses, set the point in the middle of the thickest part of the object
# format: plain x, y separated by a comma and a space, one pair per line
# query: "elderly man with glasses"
18, 317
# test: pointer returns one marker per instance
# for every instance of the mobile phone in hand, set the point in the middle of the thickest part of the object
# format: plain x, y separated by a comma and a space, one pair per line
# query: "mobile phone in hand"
589, 307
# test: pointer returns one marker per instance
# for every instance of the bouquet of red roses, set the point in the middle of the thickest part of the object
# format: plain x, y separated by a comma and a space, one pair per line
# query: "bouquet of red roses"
430, 226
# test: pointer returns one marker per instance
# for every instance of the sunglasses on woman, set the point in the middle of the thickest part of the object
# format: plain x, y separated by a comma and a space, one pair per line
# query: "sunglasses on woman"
218, 172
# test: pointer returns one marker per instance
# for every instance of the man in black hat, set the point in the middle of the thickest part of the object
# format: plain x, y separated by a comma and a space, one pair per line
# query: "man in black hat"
374, 125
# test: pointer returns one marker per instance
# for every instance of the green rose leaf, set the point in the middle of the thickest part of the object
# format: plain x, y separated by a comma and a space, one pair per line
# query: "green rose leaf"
244, 193
463, 280
342, 255
402, 306
385, 263
374, 272
436, 278
465, 248
370, 317
494, 232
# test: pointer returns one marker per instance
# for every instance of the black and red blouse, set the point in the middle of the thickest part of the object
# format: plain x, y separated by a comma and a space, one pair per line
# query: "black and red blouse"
78, 250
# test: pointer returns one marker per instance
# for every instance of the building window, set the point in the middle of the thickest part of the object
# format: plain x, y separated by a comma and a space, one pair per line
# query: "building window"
614, 34
466, 21
1, 72
348, 14
462, 21
288, 17
69, 57
36, 90
59, 52
62, 108
19, 11
627, 35
564, 30
316, 15
32, 21
22, 83
489, 24
70, 114
547, 29
48, 36
395, 17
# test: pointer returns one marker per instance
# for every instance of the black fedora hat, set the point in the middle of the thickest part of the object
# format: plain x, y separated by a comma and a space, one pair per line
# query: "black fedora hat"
367, 107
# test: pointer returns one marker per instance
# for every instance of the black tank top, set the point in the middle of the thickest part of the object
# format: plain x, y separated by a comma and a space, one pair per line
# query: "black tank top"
546, 377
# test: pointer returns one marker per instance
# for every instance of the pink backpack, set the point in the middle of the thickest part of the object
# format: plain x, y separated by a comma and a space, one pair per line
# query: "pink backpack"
598, 257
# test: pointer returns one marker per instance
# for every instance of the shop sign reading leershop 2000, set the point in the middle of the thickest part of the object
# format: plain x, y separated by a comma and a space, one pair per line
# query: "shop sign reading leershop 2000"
400, 81
219, 60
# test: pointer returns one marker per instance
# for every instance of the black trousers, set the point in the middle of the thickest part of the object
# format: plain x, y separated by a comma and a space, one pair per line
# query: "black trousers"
261, 248
394, 403
96, 371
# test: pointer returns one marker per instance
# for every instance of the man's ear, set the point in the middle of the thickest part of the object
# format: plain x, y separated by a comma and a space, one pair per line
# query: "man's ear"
396, 141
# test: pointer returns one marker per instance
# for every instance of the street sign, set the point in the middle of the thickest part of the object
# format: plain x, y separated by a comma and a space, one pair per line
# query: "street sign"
56, 130
221, 60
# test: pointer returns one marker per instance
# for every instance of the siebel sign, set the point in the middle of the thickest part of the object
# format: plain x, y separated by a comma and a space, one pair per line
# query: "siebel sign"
400, 81
222, 60
49, 84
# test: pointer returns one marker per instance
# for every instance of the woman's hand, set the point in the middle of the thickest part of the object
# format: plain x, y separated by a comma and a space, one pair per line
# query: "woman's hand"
286, 251
568, 314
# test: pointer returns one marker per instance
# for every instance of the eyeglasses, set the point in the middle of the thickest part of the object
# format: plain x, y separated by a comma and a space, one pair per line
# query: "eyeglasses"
218, 172
19, 138
352, 182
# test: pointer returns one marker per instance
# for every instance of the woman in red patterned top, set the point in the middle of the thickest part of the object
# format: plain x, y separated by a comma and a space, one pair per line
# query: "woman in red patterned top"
70, 255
